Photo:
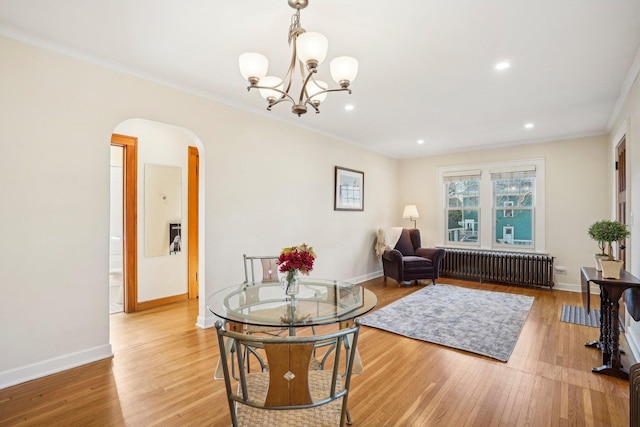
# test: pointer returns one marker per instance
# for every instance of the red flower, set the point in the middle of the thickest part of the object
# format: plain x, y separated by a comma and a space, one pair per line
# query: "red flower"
297, 258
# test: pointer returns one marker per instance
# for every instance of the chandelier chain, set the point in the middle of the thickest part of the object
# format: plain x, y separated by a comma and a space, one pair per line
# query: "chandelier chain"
295, 28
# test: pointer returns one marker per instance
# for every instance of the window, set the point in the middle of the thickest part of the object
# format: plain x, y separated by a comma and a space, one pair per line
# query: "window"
496, 206
463, 207
514, 188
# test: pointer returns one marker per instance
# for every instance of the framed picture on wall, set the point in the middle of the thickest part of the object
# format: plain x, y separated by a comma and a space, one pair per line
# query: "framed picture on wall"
175, 238
349, 190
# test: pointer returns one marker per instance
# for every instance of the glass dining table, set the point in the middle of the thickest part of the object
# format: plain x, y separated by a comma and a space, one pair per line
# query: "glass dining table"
318, 302
266, 305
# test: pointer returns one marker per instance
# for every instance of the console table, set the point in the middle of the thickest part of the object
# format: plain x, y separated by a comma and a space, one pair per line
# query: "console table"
610, 293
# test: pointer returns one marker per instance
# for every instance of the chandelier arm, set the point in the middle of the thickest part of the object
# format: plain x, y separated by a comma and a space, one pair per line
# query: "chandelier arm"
303, 92
288, 78
315, 107
277, 102
285, 95
342, 89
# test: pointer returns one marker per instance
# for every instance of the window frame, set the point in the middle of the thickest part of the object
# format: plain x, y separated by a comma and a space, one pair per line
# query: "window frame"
464, 176
487, 226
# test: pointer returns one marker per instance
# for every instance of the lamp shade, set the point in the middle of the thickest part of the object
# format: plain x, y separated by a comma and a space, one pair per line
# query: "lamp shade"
315, 86
312, 47
274, 82
410, 211
344, 69
253, 65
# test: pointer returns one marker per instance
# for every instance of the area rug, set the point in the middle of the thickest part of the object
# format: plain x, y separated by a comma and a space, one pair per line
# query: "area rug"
579, 316
482, 322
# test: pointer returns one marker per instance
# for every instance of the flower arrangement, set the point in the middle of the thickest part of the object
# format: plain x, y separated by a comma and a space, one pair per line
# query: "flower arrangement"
296, 259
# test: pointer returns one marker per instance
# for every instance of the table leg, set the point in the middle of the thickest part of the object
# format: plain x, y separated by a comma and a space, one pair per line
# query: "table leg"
358, 367
235, 327
614, 341
611, 341
598, 343
219, 374
606, 329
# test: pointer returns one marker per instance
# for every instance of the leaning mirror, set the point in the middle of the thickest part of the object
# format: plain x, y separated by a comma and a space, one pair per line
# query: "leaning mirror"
163, 210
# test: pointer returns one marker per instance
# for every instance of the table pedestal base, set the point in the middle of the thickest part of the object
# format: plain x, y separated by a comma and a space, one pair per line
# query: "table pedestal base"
611, 371
608, 343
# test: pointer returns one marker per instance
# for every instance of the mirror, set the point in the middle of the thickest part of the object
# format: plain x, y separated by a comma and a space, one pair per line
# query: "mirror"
162, 210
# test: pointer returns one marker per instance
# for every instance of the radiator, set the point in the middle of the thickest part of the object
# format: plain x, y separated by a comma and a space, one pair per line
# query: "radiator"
501, 267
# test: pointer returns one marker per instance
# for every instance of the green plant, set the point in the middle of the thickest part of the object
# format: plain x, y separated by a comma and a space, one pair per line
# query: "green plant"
605, 232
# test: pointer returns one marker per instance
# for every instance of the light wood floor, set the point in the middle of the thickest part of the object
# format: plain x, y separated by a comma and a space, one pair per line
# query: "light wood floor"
162, 374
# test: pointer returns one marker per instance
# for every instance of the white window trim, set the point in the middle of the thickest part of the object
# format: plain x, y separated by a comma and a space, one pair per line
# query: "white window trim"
486, 202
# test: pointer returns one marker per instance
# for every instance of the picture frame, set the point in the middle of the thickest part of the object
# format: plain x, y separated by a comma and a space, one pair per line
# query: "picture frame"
175, 238
348, 190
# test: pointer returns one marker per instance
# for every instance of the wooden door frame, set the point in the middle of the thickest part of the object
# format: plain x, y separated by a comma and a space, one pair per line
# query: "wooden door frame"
193, 188
621, 190
129, 145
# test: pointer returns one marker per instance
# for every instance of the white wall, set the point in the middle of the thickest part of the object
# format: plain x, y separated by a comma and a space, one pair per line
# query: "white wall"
265, 185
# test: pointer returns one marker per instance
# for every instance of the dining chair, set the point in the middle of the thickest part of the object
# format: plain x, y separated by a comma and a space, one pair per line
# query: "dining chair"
285, 391
269, 267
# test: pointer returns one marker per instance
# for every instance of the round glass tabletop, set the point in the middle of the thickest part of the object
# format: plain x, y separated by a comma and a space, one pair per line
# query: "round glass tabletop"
318, 302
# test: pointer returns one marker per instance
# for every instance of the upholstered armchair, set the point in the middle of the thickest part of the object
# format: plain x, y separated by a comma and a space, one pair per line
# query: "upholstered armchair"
409, 261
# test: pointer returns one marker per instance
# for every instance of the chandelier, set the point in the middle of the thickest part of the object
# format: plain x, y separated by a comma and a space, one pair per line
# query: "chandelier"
308, 51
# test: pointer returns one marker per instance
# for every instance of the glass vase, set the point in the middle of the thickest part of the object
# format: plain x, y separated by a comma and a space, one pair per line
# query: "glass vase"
290, 282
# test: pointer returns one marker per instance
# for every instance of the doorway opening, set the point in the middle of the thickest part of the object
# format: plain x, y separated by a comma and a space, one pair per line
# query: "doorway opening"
173, 276
116, 220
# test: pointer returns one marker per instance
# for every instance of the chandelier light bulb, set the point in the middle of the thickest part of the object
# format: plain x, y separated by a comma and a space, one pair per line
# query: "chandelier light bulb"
344, 70
313, 88
269, 94
253, 66
312, 48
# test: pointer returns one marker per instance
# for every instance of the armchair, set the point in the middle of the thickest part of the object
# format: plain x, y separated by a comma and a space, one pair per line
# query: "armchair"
409, 261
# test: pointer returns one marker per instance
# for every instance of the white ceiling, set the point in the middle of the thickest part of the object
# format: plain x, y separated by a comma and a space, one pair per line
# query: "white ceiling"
426, 66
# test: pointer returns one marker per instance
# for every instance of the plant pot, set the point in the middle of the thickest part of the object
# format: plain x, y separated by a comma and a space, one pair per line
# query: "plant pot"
599, 258
611, 269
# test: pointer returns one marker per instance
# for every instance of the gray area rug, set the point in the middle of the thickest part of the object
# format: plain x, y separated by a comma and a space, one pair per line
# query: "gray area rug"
579, 316
483, 322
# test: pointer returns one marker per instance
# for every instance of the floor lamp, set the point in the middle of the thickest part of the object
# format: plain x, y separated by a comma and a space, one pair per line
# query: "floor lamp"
411, 212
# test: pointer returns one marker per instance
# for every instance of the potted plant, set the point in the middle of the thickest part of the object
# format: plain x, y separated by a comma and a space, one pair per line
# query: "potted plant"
606, 232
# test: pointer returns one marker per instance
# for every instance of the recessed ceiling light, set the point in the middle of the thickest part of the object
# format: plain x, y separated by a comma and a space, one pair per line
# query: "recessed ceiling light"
348, 107
528, 126
502, 66
421, 141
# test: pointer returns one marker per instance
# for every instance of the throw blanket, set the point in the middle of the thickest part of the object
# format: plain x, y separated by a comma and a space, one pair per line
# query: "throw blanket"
387, 239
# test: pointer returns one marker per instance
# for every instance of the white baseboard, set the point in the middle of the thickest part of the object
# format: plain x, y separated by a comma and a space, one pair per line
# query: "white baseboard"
365, 277
572, 287
206, 322
53, 366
